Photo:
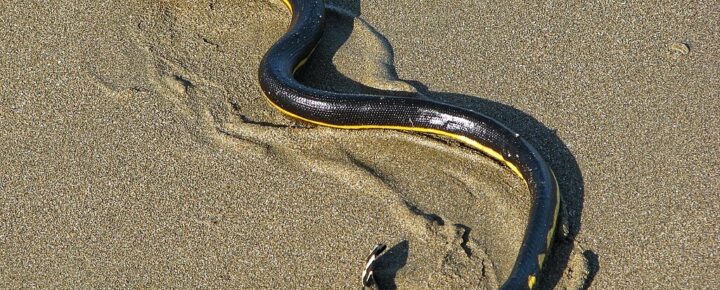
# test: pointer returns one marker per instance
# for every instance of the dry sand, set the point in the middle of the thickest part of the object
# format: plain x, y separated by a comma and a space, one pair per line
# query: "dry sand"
136, 149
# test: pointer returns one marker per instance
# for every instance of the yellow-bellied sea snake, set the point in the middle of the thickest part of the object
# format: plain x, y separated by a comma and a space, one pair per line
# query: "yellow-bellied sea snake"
364, 111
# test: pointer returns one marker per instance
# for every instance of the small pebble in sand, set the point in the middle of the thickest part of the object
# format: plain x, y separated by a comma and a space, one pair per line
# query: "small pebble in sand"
679, 48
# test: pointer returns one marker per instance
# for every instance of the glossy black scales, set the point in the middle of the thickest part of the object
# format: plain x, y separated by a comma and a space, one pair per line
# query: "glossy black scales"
361, 111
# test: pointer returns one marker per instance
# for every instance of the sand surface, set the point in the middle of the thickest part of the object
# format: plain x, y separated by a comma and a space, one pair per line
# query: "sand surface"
136, 149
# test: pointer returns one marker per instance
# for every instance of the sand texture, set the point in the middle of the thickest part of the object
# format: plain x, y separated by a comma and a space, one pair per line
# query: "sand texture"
136, 149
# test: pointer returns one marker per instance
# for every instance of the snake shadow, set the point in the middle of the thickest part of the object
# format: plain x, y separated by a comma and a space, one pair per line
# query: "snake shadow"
388, 265
321, 71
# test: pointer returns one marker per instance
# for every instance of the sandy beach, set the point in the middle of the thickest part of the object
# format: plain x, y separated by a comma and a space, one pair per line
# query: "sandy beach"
138, 152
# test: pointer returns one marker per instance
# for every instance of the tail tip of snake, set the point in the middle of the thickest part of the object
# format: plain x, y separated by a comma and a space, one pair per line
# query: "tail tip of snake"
368, 277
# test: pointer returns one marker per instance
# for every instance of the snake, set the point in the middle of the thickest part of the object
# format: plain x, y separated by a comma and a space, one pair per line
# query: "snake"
414, 114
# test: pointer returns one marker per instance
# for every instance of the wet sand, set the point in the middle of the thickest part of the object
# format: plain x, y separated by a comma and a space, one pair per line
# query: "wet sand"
137, 150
